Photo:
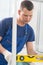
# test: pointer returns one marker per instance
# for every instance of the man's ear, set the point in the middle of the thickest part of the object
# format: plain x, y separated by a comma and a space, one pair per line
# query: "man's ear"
19, 12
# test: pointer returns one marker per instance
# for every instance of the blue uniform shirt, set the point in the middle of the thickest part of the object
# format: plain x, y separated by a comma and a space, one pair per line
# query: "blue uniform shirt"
24, 34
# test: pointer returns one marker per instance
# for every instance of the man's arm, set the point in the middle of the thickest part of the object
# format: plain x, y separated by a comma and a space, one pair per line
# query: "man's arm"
5, 52
2, 49
30, 49
4, 25
0, 38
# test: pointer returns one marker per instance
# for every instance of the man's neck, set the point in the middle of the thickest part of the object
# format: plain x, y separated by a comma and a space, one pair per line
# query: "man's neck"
20, 23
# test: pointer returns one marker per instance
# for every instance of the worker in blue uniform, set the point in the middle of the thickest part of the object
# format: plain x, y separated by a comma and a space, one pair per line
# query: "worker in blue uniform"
25, 33
5, 38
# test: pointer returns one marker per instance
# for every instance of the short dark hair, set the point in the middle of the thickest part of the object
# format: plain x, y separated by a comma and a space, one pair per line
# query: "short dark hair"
26, 4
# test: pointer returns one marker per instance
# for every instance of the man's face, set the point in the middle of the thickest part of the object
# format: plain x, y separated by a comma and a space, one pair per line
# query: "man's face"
25, 15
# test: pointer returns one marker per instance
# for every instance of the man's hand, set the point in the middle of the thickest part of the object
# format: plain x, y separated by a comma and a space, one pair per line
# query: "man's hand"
5, 52
30, 49
7, 55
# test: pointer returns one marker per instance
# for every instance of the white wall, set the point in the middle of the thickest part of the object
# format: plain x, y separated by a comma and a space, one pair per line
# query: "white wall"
6, 8
41, 30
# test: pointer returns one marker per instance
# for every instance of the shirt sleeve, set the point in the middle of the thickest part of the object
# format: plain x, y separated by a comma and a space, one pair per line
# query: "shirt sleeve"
31, 36
1, 34
4, 25
7, 40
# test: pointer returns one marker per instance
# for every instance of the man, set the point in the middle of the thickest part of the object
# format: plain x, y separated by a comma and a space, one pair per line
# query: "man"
5, 24
25, 33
